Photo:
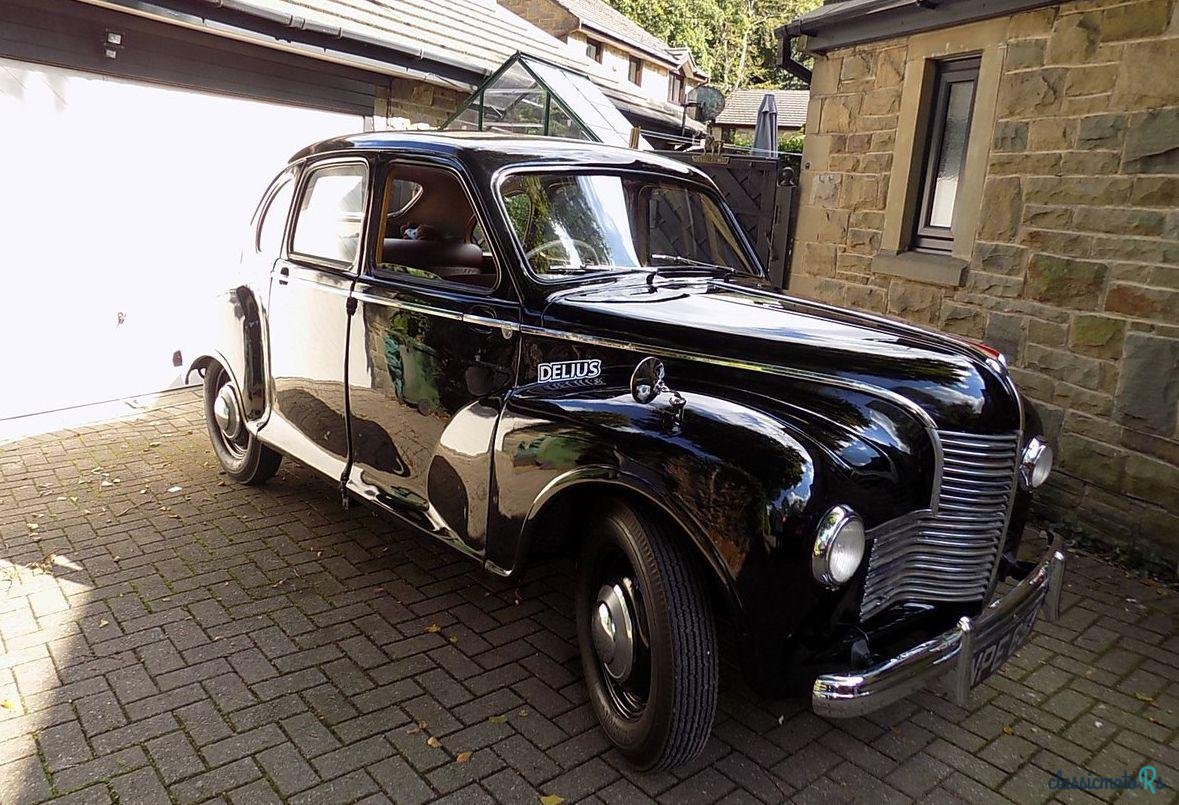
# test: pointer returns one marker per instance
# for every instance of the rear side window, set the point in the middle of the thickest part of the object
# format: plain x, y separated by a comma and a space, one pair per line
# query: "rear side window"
331, 213
274, 218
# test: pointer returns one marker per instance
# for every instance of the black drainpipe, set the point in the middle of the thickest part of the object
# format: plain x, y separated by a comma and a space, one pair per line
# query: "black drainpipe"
786, 60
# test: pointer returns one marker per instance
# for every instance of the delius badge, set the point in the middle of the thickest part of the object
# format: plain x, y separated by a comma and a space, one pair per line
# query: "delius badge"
560, 371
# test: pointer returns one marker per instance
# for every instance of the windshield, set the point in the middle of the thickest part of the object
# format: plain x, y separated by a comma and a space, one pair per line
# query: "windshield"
588, 223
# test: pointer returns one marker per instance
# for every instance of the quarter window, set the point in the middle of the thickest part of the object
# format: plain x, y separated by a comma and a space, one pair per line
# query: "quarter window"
274, 219
331, 213
951, 110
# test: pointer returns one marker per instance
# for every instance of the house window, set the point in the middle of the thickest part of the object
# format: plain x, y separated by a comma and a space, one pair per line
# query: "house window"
635, 71
948, 131
675, 88
593, 49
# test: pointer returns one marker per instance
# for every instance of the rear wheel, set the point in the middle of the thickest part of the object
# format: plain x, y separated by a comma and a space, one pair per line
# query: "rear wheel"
648, 640
244, 458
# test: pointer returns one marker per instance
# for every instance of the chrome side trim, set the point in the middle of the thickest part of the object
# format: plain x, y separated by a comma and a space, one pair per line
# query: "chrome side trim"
410, 307
753, 366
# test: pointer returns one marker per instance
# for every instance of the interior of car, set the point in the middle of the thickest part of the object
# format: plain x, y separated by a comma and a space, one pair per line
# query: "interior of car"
430, 229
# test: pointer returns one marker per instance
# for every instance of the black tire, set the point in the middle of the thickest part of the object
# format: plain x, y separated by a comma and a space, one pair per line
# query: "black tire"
674, 618
244, 459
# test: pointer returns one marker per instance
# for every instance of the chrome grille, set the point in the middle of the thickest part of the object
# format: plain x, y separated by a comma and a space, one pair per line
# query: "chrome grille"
950, 555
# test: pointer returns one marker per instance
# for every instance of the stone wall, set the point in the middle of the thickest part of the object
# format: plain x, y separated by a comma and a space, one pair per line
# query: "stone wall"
1074, 267
410, 103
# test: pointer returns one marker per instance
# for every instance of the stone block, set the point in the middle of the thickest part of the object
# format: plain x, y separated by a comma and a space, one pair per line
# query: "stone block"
1096, 403
1138, 250
1135, 21
1148, 394
1047, 333
1143, 302
1152, 140
1032, 93
1006, 333
1003, 203
1010, 135
1129, 221
1025, 164
1064, 281
1087, 373
881, 102
920, 303
997, 285
1151, 444
1034, 384
863, 241
1052, 134
1091, 79
876, 163
849, 263
866, 297
1097, 336
818, 259
1000, 258
1091, 427
1155, 191
1140, 84
1074, 39
1025, 53
821, 224
1093, 461
839, 113
1031, 23
857, 67
862, 192
966, 320
1089, 163
825, 189
890, 67
1047, 217
1080, 105
1101, 131
1080, 190
1153, 480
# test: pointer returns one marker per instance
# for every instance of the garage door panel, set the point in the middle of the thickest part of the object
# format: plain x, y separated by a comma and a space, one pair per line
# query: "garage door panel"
126, 209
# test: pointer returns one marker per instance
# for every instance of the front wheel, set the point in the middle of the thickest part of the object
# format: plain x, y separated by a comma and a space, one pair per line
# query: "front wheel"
244, 458
647, 636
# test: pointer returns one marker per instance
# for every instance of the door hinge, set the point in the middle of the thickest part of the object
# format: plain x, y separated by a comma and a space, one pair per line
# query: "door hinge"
351, 306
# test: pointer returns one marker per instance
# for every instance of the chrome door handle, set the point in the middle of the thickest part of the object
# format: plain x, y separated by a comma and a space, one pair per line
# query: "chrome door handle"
283, 274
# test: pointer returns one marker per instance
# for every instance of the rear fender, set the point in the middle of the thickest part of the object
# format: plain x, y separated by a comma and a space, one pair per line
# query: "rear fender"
235, 339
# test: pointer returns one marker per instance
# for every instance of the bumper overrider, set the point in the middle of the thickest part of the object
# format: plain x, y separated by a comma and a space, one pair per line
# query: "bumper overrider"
967, 654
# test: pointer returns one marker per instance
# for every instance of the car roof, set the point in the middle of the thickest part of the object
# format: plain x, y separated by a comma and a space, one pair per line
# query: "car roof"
494, 150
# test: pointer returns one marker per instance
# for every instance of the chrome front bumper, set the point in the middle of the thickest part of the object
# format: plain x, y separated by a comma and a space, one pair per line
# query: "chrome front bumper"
966, 653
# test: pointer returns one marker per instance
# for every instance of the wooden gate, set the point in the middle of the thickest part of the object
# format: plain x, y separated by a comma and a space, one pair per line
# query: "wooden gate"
762, 193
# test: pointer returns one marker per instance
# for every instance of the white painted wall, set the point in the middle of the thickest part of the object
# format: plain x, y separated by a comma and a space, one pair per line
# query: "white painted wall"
122, 197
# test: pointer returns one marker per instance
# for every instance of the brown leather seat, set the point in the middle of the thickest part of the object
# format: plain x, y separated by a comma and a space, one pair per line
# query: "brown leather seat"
448, 260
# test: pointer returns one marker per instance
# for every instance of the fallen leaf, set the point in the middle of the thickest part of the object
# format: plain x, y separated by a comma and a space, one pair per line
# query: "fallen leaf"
1007, 730
452, 639
104, 622
105, 482
32, 526
433, 628
153, 444
462, 757
551, 799
434, 742
174, 488
1142, 697
497, 719
8, 704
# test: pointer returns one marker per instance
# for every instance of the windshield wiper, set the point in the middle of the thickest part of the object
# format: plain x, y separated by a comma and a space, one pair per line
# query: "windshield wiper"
682, 266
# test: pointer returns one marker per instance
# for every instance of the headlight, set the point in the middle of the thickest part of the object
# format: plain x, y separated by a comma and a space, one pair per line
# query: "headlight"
1035, 464
839, 547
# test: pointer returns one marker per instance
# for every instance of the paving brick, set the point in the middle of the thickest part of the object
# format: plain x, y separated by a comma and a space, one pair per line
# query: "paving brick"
174, 757
287, 769
142, 787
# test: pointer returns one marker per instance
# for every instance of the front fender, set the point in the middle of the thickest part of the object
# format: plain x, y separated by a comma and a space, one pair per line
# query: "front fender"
738, 481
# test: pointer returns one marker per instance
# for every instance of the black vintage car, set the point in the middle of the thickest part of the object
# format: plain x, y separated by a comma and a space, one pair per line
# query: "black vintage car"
527, 345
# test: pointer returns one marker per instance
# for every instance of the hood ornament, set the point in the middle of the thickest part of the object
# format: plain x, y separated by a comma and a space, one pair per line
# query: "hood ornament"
647, 382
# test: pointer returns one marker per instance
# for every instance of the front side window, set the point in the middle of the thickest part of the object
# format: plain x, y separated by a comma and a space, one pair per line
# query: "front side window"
587, 223
951, 109
331, 213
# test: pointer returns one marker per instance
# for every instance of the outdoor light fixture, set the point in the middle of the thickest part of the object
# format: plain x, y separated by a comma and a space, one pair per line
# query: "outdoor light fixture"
112, 43
839, 547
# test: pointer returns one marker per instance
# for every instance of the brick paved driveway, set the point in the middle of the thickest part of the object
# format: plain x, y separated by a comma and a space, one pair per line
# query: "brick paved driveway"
168, 637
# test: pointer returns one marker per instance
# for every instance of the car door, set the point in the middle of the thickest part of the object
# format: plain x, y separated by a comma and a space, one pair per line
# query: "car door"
308, 317
434, 342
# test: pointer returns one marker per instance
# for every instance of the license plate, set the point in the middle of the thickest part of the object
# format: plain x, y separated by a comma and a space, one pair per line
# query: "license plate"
997, 645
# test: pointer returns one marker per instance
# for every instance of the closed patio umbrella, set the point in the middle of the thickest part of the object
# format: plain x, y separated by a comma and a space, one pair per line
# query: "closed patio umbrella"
765, 135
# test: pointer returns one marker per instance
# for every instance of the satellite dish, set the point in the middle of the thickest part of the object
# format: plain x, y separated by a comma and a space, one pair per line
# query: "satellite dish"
709, 102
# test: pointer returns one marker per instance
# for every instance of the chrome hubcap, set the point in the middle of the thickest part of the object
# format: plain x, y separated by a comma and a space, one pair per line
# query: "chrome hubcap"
225, 412
613, 632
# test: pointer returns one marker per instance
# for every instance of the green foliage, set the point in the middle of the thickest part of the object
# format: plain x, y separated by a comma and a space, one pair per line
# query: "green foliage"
732, 39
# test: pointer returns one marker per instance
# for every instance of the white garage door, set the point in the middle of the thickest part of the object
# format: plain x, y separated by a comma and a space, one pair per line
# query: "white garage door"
123, 208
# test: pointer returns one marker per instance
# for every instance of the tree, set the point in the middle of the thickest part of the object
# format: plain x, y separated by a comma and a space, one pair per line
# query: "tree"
732, 39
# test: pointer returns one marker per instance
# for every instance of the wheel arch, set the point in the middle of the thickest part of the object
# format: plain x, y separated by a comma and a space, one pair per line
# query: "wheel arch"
553, 510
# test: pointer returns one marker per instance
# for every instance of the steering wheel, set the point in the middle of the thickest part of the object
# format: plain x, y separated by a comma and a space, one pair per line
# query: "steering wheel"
579, 246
